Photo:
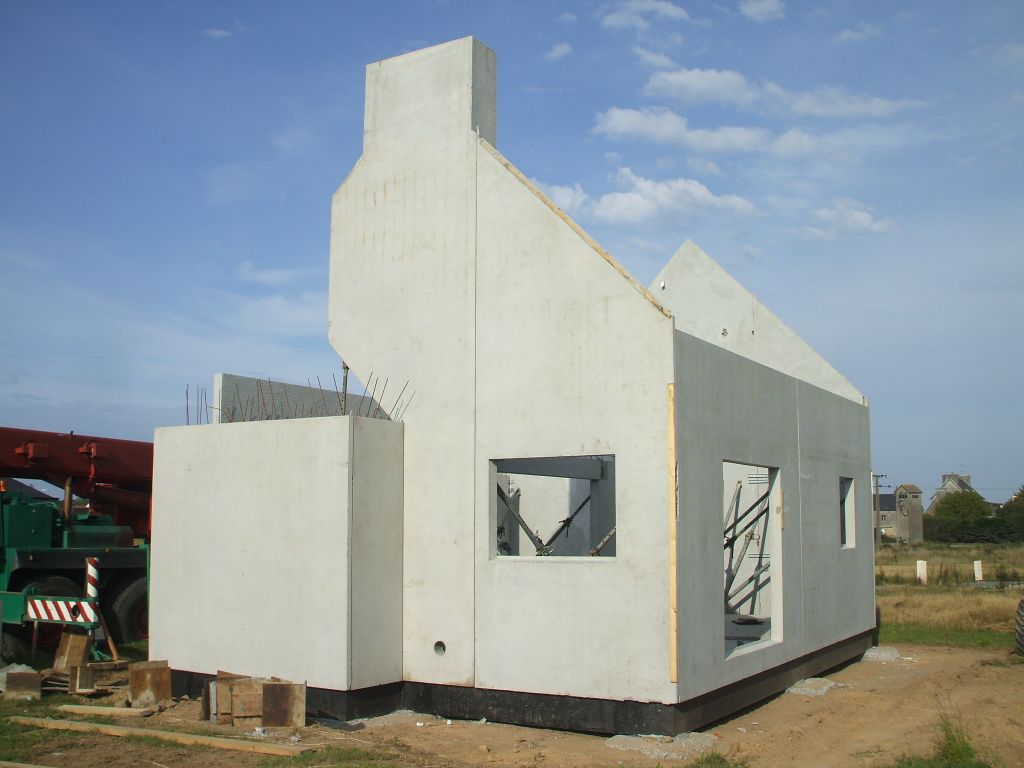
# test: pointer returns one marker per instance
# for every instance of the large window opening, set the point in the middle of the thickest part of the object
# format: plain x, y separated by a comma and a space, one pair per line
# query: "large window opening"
751, 536
555, 506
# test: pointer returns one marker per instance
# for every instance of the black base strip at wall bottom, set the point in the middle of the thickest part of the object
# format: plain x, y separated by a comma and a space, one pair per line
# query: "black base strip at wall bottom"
570, 713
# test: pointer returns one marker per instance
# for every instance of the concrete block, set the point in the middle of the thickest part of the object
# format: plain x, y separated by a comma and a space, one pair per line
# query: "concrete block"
812, 686
681, 747
882, 653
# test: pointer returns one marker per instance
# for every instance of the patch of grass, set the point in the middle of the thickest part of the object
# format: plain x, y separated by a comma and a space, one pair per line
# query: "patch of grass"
952, 750
921, 634
17, 741
137, 651
349, 757
948, 608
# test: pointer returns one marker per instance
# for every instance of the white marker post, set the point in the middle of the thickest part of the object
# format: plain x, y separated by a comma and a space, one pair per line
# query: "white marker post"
977, 571
922, 571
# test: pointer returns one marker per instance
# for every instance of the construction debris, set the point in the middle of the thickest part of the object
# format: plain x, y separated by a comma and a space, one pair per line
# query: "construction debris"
254, 703
23, 685
149, 683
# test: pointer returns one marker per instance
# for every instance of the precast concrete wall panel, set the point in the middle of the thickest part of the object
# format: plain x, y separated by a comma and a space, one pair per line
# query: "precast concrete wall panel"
376, 553
733, 409
252, 567
402, 305
838, 582
572, 359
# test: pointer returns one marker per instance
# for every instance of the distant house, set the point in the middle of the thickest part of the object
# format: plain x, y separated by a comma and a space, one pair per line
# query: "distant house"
900, 514
951, 483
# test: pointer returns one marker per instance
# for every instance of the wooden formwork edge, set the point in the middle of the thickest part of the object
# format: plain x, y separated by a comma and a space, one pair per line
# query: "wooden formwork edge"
673, 533
88, 709
188, 739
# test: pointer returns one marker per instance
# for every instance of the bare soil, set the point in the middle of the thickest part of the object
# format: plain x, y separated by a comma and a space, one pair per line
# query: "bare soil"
877, 712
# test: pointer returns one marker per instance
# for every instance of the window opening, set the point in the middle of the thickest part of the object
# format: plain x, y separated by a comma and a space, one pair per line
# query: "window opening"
750, 544
846, 512
561, 505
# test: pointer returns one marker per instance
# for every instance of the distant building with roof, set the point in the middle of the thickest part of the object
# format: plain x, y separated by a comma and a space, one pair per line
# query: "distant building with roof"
951, 483
900, 514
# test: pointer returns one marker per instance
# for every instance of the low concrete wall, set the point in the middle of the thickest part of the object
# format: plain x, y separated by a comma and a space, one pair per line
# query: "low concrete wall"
276, 547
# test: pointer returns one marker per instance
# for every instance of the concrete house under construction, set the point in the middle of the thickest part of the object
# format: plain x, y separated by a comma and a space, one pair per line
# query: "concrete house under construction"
612, 508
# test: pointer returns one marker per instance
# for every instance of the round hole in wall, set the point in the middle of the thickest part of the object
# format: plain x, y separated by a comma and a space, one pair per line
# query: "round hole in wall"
439, 648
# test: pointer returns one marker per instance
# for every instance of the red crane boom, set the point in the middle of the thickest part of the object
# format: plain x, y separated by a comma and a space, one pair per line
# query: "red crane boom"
107, 471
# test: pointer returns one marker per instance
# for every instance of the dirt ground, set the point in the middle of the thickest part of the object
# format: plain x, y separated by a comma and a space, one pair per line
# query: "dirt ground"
876, 712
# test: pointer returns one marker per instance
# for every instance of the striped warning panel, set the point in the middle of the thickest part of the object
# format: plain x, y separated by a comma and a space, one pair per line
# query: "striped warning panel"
70, 611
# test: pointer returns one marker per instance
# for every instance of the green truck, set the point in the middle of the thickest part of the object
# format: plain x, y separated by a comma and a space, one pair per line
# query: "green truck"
45, 543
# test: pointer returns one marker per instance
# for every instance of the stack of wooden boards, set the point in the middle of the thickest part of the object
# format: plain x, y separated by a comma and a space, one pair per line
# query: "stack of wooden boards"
252, 702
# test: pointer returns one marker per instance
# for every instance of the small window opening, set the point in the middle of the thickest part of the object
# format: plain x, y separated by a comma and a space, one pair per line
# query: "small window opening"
846, 510
556, 505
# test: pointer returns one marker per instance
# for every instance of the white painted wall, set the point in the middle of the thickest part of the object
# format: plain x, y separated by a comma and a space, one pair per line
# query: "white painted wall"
276, 545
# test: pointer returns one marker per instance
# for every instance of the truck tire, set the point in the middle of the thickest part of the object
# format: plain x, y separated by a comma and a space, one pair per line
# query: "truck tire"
1019, 628
53, 586
13, 649
128, 615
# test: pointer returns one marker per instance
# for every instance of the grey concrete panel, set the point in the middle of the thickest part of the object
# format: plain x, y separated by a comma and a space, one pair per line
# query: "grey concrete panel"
244, 398
252, 566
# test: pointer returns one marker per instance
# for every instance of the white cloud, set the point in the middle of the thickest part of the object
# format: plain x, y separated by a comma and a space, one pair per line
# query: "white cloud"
216, 33
303, 315
697, 86
558, 51
1010, 56
653, 59
836, 102
292, 140
232, 183
694, 86
573, 200
845, 217
248, 273
664, 126
645, 199
567, 18
635, 14
862, 31
763, 10
704, 166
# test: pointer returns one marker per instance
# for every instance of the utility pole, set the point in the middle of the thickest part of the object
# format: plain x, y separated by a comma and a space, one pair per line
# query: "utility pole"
876, 481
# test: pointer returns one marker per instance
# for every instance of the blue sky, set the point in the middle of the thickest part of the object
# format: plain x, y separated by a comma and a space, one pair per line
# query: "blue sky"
166, 171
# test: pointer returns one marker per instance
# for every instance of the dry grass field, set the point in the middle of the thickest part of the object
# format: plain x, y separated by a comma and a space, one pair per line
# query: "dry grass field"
948, 608
949, 563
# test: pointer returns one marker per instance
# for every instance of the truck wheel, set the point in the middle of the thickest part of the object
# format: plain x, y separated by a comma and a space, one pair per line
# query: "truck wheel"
128, 615
53, 586
13, 649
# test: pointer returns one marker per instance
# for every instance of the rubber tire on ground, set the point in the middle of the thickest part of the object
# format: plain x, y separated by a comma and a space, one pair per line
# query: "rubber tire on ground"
13, 649
1019, 629
128, 615
53, 586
